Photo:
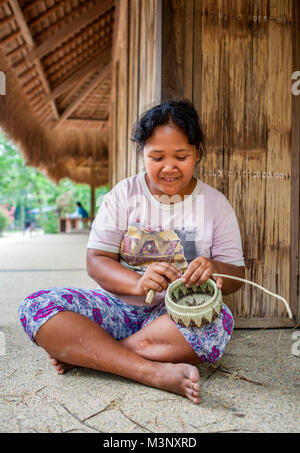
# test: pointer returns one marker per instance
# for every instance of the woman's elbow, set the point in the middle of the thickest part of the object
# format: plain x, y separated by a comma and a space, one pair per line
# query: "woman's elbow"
90, 264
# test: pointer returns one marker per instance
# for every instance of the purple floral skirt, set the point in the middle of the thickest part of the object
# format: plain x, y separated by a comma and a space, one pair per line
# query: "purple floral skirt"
120, 319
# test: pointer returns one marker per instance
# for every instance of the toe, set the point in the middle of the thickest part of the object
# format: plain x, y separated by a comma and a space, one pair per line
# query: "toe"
196, 387
192, 373
194, 399
60, 369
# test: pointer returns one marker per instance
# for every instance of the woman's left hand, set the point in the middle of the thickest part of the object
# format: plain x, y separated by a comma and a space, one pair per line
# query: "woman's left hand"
200, 270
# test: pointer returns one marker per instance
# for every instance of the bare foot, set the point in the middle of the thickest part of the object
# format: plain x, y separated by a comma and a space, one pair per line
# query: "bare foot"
178, 378
60, 367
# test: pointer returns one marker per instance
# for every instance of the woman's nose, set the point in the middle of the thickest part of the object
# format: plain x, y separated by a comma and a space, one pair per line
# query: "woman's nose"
169, 165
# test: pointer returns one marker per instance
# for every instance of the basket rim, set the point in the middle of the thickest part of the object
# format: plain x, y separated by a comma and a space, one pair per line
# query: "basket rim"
178, 283
178, 313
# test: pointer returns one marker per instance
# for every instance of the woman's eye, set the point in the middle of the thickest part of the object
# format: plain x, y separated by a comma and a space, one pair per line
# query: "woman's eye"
160, 158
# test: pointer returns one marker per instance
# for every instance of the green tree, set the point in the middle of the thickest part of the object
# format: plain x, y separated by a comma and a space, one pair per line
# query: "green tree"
25, 187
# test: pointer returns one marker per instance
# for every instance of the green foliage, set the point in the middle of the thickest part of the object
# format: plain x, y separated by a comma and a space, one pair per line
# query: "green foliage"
24, 188
66, 202
4, 220
50, 226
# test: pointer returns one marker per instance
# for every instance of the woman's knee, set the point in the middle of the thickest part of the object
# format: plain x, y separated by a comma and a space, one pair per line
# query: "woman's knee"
35, 308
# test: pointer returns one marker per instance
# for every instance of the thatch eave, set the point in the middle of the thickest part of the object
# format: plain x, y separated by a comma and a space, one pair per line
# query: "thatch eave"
59, 151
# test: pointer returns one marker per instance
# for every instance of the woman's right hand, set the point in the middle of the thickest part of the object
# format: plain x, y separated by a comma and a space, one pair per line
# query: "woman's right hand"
157, 276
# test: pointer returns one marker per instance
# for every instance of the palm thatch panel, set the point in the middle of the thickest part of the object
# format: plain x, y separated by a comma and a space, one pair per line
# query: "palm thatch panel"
56, 55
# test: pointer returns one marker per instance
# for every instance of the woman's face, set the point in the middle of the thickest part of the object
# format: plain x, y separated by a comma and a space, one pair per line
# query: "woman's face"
170, 161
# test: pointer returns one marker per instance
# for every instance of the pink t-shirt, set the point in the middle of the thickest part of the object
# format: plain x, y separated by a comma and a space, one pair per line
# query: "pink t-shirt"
142, 229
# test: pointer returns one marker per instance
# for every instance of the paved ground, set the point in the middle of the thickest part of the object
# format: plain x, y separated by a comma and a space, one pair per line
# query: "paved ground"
255, 387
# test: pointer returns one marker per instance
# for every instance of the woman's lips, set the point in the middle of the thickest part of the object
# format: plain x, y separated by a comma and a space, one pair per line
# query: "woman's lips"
169, 179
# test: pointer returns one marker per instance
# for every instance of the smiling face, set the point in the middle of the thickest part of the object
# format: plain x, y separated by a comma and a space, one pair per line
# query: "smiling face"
170, 161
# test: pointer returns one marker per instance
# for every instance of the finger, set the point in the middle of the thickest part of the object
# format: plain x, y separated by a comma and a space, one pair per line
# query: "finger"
191, 269
152, 284
201, 275
169, 271
198, 275
157, 287
219, 281
158, 279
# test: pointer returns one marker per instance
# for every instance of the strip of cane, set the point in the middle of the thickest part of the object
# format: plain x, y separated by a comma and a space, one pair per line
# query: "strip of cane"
151, 292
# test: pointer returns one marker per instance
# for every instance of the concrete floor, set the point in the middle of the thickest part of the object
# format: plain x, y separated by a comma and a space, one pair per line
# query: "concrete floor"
254, 387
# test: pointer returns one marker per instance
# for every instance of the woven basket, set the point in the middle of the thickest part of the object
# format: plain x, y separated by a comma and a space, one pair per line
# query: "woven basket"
197, 306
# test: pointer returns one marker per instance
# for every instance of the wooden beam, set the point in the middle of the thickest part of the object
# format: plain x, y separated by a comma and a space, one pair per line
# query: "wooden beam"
22, 24
90, 120
10, 37
76, 87
16, 50
92, 211
7, 20
47, 13
31, 5
69, 30
295, 171
98, 59
94, 82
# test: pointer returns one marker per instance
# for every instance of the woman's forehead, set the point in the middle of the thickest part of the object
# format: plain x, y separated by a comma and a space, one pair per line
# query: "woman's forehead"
167, 132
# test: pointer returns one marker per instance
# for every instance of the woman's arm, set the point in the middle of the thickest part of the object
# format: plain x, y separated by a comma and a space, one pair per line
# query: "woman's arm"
106, 270
230, 286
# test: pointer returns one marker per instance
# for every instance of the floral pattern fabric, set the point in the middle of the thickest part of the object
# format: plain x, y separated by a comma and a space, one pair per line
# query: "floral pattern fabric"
120, 319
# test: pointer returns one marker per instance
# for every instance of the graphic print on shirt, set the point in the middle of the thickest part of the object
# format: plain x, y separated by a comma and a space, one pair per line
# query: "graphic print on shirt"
139, 248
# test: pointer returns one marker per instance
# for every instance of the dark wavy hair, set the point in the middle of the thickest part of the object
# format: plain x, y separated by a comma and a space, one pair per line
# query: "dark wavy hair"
180, 112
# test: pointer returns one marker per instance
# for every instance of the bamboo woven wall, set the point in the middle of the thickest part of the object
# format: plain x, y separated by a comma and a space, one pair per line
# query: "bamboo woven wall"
136, 79
234, 60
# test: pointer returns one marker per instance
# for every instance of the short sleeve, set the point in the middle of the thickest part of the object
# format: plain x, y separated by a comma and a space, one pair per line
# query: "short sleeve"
110, 223
226, 243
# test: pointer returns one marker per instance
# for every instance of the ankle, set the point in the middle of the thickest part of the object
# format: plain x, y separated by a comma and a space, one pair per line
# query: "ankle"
148, 372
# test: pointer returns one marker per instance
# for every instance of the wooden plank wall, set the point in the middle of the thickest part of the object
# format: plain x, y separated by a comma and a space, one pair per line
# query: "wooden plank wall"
234, 61
295, 156
136, 79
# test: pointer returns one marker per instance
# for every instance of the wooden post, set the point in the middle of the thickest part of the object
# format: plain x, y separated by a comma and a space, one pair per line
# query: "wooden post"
92, 213
295, 169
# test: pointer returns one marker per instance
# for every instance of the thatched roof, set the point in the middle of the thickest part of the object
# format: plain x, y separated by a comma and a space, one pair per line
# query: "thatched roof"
56, 55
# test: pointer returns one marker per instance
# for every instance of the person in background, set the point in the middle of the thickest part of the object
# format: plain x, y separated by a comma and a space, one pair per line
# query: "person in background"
28, 229
82, 212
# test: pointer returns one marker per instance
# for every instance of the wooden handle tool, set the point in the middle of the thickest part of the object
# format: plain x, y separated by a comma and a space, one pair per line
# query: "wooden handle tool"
150, 296
151, 293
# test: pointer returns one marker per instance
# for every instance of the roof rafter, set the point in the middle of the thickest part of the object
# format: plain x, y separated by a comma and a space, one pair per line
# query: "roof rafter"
99, 58
94, 82
28, 39
68, 31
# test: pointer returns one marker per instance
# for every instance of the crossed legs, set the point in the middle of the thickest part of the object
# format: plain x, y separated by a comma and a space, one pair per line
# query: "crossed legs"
157, 355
